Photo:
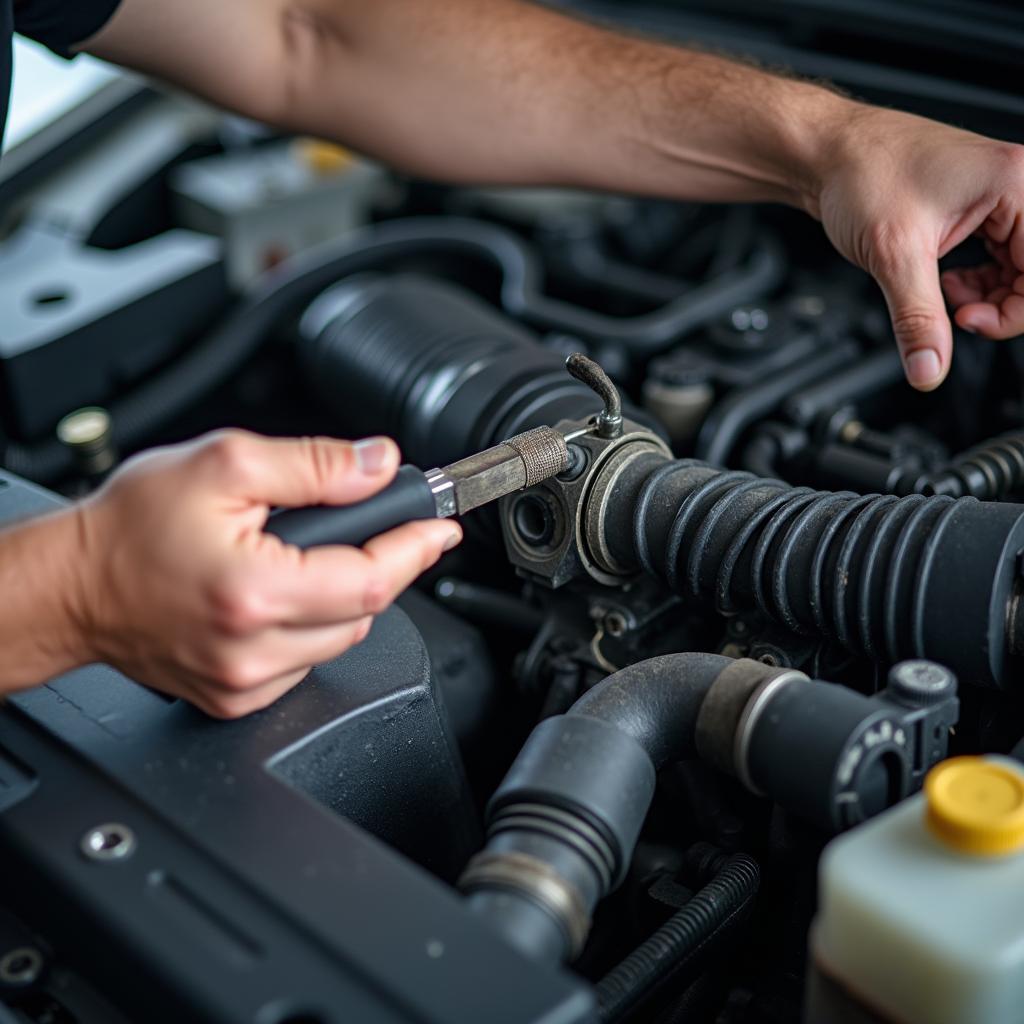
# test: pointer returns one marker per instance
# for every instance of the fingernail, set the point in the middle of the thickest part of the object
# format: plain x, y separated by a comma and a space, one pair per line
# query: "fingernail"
970, 328
452, 541
372, 454
923, 367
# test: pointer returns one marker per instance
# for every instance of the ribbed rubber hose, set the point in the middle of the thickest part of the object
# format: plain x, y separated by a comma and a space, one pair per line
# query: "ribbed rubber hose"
686, 934
888, 577
812, 560
992, 470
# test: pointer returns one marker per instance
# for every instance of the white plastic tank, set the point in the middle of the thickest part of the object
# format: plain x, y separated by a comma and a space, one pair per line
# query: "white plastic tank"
921, 910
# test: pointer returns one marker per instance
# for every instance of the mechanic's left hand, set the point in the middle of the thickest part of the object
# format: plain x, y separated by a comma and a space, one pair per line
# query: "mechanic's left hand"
901, 192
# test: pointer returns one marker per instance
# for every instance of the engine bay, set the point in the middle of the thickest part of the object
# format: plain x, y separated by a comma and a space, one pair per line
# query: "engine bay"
586, 768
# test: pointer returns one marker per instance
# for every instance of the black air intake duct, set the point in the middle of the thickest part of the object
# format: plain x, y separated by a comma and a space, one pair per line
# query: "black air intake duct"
433, 366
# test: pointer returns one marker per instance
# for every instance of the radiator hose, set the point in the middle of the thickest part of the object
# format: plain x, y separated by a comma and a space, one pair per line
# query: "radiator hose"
563, 824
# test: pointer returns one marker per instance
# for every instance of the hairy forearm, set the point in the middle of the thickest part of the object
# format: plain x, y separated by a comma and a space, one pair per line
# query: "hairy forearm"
507, 91
39, 632
495, 91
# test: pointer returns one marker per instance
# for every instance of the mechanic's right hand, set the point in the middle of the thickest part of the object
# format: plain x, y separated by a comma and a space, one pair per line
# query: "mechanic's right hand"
182, 590
899, 193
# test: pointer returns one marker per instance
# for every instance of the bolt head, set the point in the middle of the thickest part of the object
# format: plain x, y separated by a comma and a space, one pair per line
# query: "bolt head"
921, 683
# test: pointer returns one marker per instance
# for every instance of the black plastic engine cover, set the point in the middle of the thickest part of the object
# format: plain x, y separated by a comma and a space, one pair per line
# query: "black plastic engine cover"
253, 894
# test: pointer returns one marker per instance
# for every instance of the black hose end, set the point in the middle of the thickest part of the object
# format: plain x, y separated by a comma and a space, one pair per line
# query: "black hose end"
585, 776
859, 755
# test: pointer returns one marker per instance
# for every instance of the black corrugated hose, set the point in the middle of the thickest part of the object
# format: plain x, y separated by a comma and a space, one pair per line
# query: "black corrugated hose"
990, 471
893, 578
705, 920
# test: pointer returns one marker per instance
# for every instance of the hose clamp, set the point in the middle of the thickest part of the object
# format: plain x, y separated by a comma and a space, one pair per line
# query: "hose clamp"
749, 718
730, 710
537, 881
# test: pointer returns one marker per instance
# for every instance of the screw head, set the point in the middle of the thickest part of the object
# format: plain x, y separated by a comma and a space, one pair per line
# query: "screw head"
111, 842
85, 428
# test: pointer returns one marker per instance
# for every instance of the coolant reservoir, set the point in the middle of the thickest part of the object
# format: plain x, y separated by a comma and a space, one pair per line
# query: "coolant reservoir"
921, 910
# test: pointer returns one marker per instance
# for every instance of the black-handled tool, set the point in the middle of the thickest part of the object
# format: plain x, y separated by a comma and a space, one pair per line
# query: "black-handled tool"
520, 462
409, 496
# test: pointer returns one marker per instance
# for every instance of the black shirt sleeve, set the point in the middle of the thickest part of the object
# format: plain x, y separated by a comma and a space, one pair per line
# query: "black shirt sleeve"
60, 24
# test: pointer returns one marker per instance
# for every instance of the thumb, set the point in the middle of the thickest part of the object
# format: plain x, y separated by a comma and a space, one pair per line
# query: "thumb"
302, 471
919, 319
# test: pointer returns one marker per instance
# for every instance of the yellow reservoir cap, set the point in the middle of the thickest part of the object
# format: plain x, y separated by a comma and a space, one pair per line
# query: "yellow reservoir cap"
322, 158
976, 805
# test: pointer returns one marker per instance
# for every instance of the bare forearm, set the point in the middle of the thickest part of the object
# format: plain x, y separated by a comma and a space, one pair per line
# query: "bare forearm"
40, 635
506, 91
500, 91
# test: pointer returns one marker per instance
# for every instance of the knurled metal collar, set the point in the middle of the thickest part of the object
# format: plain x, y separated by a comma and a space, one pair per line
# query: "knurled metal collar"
538, 882
543, 451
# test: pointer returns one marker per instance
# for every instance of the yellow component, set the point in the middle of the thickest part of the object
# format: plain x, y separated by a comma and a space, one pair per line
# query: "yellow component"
323, 158
976, 805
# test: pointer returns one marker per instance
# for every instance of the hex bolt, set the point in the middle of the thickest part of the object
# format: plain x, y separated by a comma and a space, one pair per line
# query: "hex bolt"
21, 966
851, 431
111, 842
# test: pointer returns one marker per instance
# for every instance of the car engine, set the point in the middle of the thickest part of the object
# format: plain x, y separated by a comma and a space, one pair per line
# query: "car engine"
586, 768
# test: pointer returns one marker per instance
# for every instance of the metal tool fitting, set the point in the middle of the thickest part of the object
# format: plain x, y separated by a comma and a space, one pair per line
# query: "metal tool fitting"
520, 462
555, 531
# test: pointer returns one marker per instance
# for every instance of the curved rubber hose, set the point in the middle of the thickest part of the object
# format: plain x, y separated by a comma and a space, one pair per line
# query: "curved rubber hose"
577, 795
656, 702
726, 422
